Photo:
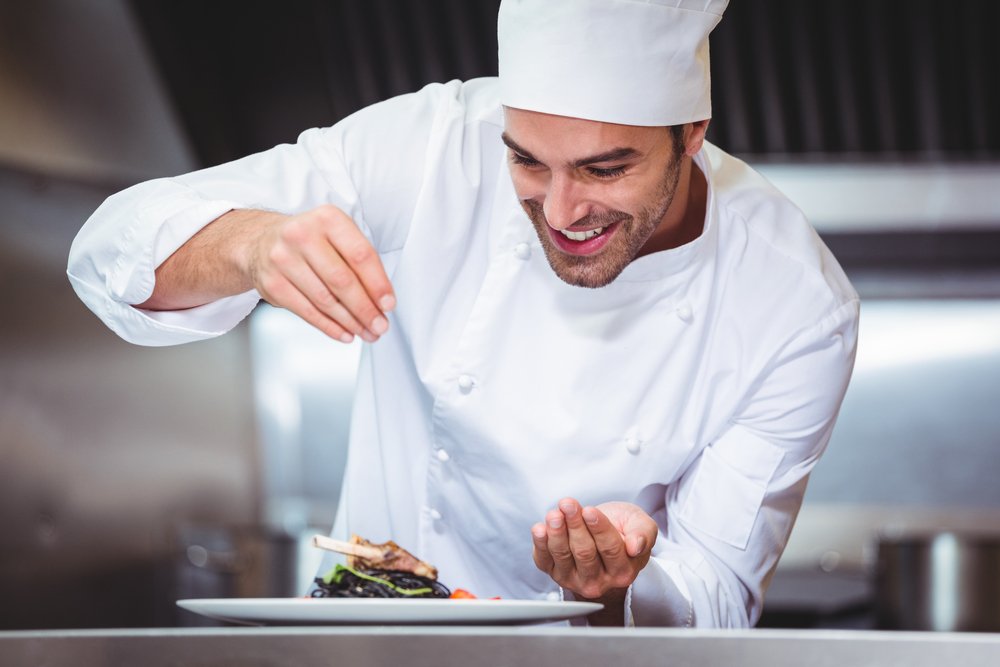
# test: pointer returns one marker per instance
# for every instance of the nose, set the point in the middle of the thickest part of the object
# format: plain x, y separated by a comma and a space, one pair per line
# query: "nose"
564, 203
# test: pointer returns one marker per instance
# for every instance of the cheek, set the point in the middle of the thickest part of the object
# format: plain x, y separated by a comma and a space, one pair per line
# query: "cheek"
640, 194
619, 196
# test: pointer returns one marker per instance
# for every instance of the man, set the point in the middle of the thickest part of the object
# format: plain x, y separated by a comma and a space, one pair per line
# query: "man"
604, 346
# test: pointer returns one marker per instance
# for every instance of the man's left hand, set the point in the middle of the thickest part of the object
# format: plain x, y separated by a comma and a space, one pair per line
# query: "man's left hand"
594, 552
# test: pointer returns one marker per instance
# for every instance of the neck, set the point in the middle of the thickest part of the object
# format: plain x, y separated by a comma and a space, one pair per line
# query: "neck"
685, 218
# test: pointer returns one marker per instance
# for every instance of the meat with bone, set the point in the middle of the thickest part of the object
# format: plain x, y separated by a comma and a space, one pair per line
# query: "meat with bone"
365, 555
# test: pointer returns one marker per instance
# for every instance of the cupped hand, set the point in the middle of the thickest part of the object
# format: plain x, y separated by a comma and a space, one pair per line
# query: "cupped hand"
594, 552
321, 267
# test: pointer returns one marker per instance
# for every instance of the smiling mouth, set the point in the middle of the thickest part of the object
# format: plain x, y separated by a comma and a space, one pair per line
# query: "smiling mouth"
582, 236
582, 243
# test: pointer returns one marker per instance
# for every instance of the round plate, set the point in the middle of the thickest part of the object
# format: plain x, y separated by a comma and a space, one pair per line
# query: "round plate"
386, 611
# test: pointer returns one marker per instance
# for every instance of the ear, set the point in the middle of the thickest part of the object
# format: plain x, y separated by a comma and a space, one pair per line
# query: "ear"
694, 137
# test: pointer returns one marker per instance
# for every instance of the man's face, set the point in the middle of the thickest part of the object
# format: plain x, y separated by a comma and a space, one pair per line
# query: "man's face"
596, 193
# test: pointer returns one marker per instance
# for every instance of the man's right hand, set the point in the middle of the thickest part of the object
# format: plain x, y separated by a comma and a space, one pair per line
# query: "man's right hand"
321, 267
316, 264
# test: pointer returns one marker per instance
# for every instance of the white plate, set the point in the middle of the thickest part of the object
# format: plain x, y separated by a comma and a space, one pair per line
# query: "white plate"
386, 611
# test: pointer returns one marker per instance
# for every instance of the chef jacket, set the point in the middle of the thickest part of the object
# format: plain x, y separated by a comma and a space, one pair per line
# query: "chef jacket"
702, 384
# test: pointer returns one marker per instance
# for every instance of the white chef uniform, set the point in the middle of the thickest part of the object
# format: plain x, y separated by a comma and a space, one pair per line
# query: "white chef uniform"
702, 384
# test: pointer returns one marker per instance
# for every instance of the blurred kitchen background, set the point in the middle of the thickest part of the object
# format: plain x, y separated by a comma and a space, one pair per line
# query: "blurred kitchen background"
130, 477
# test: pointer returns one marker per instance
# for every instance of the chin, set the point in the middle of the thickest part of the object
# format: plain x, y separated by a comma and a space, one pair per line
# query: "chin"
586, 279
591, 274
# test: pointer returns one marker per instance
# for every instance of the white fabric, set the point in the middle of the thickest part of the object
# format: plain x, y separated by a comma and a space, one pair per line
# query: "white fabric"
702, 384
633, 62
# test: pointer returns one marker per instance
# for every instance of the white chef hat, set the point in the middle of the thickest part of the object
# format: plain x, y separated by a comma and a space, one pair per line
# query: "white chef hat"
633, 62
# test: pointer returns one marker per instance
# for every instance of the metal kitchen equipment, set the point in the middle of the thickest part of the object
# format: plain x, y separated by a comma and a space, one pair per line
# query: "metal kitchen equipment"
943, 580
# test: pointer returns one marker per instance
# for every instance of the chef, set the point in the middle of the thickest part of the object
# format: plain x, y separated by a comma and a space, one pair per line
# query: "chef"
603, 354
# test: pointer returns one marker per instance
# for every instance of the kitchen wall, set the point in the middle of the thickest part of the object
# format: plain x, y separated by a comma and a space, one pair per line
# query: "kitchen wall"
110, 454
80, 95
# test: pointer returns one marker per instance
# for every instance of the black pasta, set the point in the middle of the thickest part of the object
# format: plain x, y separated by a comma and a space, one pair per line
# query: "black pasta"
345, 582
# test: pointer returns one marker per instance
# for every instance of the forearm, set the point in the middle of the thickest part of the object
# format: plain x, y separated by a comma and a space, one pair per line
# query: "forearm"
214, 263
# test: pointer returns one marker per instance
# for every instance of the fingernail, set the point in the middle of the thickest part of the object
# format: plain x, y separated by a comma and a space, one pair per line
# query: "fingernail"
590, 515
555, 522
368, 336
379, 325
388, 302
538, 531
640, 545
346, 338
569, 509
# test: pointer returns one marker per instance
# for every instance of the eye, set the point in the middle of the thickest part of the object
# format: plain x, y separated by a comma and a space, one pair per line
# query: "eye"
609, 172
522, 160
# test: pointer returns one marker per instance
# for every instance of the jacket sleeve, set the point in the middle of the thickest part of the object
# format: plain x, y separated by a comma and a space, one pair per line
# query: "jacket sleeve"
727, 520
370, 165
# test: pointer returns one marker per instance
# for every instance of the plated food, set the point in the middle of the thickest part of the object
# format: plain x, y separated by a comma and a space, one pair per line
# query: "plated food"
384, 584
379, 571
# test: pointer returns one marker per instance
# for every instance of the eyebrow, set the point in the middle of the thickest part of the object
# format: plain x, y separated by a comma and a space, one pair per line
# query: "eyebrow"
620, 153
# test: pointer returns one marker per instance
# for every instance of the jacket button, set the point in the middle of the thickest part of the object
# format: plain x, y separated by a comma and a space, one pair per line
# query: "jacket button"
684, 311
633, 444
442, 455
522, 250
465, 382
434, 514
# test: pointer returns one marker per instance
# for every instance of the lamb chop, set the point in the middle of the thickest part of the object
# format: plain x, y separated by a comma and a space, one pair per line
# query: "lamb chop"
365, 555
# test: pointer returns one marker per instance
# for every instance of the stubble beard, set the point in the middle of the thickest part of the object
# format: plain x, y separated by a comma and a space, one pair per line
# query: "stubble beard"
602, 268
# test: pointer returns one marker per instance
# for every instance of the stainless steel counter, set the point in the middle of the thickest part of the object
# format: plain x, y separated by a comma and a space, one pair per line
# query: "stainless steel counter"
516, 646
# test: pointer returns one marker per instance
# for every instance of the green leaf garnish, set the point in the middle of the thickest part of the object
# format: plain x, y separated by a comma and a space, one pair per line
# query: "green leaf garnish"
336, 575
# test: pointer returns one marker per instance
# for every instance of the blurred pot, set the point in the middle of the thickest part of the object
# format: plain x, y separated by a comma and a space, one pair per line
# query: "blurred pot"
229, 562
943, 581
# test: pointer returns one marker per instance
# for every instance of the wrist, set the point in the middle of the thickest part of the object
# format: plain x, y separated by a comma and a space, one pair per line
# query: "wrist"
248, 231
613, 613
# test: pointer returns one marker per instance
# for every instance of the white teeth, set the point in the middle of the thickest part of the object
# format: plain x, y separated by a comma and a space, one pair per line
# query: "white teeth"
581, 236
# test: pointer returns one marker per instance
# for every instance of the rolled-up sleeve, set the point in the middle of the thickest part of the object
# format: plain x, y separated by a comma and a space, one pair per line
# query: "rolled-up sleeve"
727, 520
111, 266
114, 257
